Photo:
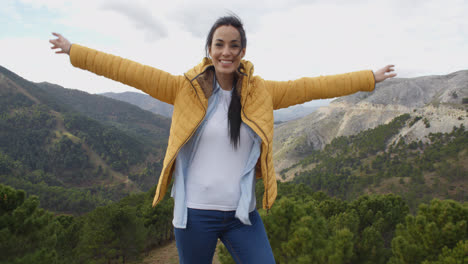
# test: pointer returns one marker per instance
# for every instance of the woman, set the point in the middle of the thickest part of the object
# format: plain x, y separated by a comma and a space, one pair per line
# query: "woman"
221, 137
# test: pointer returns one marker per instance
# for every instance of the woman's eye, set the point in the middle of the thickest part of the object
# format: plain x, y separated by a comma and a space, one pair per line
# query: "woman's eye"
218, 45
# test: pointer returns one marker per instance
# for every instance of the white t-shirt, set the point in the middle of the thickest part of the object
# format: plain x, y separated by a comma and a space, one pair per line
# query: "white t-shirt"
213, 177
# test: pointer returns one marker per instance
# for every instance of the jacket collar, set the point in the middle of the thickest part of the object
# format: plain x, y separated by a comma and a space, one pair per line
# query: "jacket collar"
201, 76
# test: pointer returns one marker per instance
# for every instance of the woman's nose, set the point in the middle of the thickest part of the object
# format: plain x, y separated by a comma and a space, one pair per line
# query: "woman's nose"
226, 51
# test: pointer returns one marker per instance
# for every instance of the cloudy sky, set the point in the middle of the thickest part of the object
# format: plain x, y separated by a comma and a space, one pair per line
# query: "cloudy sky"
286, 39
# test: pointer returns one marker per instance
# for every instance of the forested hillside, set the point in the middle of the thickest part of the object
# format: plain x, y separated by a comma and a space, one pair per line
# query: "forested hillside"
144, 126
74, 150
377, 161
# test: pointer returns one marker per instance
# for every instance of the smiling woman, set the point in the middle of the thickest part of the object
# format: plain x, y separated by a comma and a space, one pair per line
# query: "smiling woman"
226, 52
221, 136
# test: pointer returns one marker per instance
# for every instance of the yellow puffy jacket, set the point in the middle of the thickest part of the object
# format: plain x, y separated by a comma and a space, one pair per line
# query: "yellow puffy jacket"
189, 94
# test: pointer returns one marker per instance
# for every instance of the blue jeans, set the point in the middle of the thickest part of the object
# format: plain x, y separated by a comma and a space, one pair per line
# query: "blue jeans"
246, 243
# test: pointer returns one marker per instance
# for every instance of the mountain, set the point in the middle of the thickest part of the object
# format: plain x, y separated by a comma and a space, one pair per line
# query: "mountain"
408, 137
143, 101
75, 150
293, 112
439, 102
151, 104
144, 125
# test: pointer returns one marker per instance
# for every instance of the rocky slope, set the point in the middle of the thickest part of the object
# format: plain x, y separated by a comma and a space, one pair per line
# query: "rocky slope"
438, 100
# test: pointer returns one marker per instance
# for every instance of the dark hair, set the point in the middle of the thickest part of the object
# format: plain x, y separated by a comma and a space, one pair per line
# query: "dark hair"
231, 20
234, 112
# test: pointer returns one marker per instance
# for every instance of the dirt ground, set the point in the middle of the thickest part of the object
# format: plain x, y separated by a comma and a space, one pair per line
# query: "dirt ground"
168, 255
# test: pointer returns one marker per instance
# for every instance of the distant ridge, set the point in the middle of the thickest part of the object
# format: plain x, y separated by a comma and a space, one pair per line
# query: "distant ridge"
149, 103
143, 101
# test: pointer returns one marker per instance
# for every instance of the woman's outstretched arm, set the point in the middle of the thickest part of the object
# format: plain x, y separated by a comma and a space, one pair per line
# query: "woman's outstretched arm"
288, 93
157, 83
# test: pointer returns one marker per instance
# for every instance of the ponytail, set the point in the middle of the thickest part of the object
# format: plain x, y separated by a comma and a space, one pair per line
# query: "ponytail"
234, 117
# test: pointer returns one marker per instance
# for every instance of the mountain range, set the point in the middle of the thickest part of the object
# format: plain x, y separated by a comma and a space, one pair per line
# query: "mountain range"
151, 104
440, 102
78, 151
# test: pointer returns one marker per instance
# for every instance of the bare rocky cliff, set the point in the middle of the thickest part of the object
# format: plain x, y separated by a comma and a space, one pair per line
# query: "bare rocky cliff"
437, 100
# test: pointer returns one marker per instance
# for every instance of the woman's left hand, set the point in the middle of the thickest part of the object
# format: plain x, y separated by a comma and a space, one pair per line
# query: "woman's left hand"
384, 73
60, 43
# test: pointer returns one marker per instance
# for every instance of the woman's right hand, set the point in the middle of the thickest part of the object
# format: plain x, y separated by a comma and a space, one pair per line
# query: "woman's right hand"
60, 43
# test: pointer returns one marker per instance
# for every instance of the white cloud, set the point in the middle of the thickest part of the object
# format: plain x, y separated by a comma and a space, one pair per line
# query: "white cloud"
285, 40
326, 38
141, 17
197, 17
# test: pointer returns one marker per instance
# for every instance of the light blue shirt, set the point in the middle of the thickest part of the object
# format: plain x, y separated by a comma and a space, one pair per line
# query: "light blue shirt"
247, 201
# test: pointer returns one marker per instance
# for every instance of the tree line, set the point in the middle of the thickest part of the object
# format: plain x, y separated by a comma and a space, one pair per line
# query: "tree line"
303, 227
311, 227
115, 233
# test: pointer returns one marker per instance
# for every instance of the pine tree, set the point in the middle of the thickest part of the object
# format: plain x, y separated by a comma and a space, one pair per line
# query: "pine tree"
27, 232
439, 225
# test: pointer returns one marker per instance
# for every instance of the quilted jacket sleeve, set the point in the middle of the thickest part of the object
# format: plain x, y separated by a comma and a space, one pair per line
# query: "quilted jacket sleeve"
157, 83
287, 93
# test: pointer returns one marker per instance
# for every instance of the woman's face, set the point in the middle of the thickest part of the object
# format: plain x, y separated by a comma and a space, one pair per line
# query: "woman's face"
226, 50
